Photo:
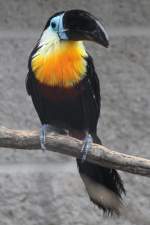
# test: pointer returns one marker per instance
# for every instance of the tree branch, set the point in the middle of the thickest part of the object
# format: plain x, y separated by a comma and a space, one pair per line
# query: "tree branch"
99, 154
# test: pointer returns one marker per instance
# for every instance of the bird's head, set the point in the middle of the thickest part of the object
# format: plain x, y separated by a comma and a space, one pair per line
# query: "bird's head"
76, 25
59, 58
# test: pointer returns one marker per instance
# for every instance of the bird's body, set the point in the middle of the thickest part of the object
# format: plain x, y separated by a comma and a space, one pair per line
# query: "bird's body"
74, 107
65, 91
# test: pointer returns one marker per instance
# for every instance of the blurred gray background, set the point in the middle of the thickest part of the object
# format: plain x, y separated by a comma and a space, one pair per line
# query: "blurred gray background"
39, 188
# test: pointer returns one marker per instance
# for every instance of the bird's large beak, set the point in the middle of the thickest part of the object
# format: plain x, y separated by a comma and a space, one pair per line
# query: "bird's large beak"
81, 25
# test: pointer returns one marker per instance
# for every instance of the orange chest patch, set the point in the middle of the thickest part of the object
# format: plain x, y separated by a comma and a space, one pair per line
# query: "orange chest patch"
60, 65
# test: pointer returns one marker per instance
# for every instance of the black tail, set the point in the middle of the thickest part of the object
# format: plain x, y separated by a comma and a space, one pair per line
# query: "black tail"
103, 185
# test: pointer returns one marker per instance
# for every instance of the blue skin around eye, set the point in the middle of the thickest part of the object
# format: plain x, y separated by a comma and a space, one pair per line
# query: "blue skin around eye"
58, 20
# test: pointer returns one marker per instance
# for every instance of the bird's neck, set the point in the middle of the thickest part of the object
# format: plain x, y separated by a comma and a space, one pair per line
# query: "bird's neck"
60, 64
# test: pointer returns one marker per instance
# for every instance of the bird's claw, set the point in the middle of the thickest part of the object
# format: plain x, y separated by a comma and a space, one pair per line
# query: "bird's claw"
49, 128
87, 145
43, 132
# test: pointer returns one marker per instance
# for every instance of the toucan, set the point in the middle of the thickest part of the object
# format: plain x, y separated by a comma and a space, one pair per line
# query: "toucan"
65, 91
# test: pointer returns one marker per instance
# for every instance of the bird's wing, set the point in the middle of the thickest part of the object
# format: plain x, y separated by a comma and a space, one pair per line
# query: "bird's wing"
32, 90
28, 82
94, 84
91, 97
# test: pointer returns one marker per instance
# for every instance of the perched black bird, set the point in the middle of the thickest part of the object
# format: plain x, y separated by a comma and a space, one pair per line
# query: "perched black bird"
65, 91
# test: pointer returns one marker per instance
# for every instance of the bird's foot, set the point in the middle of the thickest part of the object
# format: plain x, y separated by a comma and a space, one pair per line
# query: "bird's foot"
43, 133
46, 128
87, 145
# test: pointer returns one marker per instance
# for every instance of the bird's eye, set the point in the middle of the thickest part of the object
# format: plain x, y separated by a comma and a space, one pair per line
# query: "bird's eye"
53, 24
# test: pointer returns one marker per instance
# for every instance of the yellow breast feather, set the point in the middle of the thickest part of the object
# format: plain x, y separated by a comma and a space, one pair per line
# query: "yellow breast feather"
60, 64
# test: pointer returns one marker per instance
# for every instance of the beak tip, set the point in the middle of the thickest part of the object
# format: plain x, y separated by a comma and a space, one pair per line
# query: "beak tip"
107, 45
104, 43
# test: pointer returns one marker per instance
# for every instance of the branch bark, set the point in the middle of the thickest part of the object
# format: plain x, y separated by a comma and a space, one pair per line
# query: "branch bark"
29, 140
